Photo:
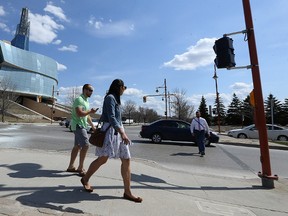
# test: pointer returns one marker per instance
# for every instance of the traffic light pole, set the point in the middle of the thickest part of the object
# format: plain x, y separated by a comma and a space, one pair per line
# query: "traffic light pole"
266, 176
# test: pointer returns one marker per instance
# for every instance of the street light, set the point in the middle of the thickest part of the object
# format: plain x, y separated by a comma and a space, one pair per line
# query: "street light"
215, 77
165, 95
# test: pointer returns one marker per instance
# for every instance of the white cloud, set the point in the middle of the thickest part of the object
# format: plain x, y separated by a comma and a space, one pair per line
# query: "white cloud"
43, 29
57, 42
56, 11
61, 67
71, 48
2, 11
200, 55
4, 27
133, 91
110, 28
241, 89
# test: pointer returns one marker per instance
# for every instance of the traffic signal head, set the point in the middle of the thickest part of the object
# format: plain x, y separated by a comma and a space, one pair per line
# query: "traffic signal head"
224, 53
144, 99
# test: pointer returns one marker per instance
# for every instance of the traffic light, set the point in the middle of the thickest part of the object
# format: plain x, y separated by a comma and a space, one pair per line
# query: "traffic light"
144, 99
224, 53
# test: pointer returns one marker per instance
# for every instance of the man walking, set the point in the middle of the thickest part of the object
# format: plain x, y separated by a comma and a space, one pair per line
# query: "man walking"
199, 128
80, 118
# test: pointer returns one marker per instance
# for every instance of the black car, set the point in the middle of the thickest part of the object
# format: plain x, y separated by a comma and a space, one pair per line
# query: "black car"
65, 123
174, 130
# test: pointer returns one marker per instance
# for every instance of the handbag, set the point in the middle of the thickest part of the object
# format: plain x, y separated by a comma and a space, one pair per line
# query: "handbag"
97, 137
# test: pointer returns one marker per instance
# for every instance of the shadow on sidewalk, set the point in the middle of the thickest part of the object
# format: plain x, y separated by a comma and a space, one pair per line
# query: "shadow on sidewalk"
60, 197
145, 179
55, 197
32, 170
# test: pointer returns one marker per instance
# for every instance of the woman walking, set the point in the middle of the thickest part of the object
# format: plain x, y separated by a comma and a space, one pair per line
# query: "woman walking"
116, 143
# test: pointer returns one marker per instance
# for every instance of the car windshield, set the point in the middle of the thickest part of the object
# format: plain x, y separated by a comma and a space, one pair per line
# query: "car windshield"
249, 127
183, 125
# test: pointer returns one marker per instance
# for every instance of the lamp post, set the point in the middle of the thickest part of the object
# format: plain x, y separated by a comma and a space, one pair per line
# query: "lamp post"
215, 77
165, 95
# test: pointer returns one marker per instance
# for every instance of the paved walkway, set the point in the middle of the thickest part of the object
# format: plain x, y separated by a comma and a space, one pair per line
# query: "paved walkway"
35, 183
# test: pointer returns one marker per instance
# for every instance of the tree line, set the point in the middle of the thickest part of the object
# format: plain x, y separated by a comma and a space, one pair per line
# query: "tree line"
241, 112
238, 112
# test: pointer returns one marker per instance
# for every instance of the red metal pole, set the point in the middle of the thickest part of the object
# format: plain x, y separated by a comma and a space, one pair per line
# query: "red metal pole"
259, 104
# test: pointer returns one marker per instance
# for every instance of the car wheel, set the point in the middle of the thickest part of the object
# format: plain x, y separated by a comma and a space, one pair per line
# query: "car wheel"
282, 138
242, 136
156, 138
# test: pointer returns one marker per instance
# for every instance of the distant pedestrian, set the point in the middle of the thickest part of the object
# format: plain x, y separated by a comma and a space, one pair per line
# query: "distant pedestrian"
80, 118
199, 128
116, 143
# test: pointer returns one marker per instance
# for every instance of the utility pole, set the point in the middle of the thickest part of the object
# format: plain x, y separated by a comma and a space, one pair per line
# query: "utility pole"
165, 92
53, 103
52, 107
215, 77
165, 96
266, 176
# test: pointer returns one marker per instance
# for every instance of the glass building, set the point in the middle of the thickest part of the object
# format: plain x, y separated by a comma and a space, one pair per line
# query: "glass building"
33, 75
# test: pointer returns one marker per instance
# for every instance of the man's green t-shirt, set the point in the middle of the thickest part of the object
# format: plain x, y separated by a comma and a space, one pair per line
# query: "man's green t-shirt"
83, 103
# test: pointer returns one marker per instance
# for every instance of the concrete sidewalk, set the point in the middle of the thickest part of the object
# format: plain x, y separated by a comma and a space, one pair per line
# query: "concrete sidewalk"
35, 183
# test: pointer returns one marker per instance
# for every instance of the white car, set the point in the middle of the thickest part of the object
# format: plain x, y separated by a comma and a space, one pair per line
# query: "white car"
274, 132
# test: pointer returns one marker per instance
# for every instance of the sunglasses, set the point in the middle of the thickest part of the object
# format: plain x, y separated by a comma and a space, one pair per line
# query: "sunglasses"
90, 90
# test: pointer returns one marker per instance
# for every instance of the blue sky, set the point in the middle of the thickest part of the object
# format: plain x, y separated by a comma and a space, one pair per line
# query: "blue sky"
145, 42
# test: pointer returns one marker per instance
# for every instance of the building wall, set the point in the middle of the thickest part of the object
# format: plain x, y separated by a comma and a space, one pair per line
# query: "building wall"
31, 73
45, 109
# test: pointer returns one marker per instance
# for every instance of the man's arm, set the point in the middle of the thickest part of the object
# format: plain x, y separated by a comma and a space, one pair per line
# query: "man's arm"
89, 120
207, 127
82, 113
192, 127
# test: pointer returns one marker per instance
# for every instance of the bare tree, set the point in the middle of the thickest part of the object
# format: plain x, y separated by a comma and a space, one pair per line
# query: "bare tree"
8, 96
147, 115
180, 106
129, 109
72, 95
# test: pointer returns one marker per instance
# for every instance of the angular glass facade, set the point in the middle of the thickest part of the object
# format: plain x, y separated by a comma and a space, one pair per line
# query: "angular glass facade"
32, 73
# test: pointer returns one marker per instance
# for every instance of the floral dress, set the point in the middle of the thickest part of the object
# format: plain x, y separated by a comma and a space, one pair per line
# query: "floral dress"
113, 147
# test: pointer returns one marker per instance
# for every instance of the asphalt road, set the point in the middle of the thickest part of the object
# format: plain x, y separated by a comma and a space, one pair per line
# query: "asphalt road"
220, 159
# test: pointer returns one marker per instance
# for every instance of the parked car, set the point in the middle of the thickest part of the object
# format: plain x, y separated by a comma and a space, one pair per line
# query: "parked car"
274, 132
174, 130
65, 123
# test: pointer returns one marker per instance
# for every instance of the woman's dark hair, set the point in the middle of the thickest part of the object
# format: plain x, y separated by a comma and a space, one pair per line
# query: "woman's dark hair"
115, 89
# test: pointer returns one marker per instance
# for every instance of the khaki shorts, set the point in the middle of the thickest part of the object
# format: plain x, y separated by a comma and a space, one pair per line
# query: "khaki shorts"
81, 137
